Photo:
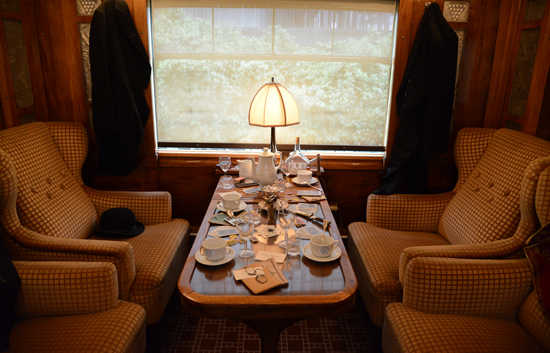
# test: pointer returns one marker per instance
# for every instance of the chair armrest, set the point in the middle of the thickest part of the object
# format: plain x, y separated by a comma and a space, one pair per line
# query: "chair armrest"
65, 288
494, 288
418, 213
492, 250
150, 207
46, 248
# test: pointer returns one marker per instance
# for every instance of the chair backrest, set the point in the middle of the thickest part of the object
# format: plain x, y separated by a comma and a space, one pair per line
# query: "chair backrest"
50, 199
487, 205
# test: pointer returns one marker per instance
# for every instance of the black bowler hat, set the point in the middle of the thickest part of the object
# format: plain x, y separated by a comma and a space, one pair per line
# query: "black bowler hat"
119, 223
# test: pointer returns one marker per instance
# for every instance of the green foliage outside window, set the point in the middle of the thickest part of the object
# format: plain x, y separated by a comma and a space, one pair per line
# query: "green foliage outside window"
204, 86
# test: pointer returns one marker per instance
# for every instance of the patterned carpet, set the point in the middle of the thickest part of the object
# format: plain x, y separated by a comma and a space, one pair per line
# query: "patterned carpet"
179, 331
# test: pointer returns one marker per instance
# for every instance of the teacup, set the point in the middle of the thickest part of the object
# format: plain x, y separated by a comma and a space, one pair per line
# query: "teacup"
304, 176
215, 248
231, 200
245, 168
320, 248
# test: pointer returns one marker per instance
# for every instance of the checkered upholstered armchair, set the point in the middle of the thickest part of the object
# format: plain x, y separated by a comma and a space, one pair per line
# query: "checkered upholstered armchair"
74, 307
489, 214
464, 305
50, 215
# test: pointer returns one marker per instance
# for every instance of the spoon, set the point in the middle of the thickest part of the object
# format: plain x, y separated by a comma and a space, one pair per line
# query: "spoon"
313, 187
325, 224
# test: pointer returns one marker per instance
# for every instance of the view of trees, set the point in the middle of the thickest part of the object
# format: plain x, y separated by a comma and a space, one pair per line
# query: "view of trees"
205, 79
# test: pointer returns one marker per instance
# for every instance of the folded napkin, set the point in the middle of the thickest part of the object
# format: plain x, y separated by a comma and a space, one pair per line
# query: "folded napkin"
265, 255
308, 231
313, 198
223, 231
251, 190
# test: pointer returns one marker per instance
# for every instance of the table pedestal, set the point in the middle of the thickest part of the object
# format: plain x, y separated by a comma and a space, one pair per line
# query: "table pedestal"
269, 331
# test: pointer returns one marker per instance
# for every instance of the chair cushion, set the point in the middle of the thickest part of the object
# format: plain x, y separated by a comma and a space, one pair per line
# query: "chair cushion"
533, 319
159, 255
487, 208
121, 329
410, 330
380, 250
48, 193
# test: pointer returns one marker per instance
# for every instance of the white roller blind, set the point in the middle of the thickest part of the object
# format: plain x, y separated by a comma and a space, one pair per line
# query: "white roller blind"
211, 57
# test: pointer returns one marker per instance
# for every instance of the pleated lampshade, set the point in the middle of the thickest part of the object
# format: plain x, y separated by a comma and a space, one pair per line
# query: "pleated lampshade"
273, 106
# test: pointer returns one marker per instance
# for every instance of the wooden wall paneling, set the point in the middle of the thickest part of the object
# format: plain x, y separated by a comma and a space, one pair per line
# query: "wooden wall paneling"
191, 189
511, 25
349, 190
477, 59
504, 52
515, 39
65, 45
6, 85
543, 127
139, 14
35, 64
46, 58
539, 78
404, 40
12, 113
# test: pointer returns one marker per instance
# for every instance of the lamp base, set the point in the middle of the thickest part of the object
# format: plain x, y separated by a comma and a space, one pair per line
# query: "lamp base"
273, 145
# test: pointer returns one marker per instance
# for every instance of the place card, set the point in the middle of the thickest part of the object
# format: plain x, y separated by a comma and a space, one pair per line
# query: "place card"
266, 255
219, 218
223, 232
308, 231
308, 208
309, 193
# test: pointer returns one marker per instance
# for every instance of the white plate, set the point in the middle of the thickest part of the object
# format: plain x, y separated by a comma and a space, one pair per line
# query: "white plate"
336, 253
203, 260
311, 181
241, 207
262, 205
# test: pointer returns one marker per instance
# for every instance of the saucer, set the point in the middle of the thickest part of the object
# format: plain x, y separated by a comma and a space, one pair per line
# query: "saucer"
241, 207
262, 205
203, 260
311, 181
336, 253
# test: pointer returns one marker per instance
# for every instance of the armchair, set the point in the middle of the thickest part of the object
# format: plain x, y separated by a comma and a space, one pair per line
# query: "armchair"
463, 305
489, 214
74, 307
50, 215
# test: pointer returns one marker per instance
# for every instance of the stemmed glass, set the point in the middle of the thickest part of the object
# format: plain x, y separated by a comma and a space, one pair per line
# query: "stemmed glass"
225, 163
286, 167
286, 219
245, 226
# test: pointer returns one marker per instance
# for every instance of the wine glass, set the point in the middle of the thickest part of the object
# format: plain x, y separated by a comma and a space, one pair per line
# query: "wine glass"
225, 163
286, 167
255, 215
286, 219
245, 226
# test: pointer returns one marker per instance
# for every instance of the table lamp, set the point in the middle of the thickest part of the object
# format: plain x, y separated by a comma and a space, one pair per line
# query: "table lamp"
273, 106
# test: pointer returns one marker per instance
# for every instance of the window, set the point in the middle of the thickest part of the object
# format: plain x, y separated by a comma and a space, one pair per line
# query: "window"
210, 58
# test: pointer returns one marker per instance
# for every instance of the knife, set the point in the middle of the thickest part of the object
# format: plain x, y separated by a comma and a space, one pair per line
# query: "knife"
311, 218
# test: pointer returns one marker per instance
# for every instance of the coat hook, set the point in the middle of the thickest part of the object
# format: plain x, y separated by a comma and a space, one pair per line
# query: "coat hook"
427, 4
